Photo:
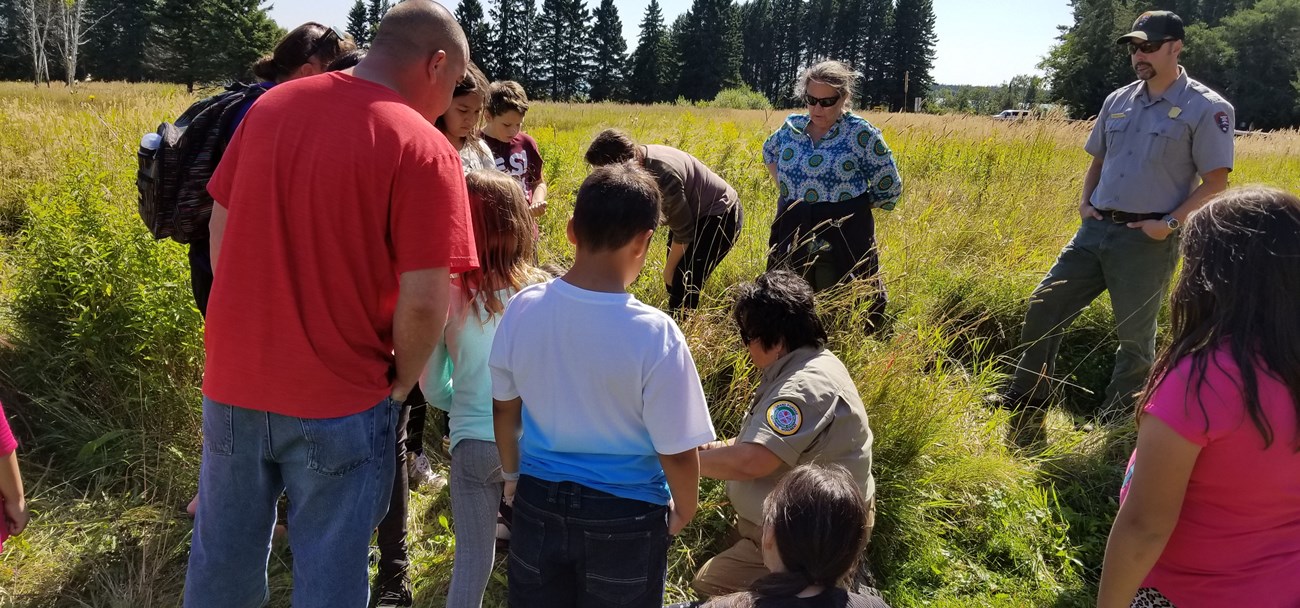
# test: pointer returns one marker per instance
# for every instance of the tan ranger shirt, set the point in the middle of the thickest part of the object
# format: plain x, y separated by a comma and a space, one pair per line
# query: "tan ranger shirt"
806, 409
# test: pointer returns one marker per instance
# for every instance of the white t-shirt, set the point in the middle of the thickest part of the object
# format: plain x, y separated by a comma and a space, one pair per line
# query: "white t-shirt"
607, 384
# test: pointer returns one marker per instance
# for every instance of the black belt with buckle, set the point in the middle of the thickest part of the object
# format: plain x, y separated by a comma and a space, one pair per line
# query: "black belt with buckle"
1124, 217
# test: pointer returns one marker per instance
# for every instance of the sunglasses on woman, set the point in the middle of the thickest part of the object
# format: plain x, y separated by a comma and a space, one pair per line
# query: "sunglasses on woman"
333, 32
824, 102
1146, 48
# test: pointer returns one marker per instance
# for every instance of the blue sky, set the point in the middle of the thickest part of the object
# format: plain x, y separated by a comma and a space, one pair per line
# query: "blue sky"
979, 42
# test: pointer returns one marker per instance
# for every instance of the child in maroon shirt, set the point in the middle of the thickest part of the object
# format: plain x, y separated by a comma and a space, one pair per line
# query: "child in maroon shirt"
514, 151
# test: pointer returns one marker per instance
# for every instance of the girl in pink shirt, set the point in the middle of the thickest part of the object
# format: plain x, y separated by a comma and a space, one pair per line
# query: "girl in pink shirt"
13, 505
1210, 509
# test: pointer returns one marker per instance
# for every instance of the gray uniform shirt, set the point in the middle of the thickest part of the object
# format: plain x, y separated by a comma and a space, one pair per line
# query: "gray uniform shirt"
690, 189
1154, 150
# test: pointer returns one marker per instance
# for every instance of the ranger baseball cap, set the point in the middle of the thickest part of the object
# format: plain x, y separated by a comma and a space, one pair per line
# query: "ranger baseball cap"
1155, 26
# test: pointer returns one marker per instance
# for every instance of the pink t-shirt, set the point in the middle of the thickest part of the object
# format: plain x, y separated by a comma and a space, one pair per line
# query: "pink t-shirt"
7, 446
1237, 542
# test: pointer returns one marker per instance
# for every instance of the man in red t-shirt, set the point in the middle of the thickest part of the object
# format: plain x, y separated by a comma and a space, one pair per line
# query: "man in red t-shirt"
340, 213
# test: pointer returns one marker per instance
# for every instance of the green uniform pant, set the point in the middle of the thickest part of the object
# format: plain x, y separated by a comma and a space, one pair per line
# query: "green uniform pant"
1103, 256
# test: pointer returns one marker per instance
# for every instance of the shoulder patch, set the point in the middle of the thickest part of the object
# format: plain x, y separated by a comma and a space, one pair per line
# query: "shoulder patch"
1222, 120
784, 418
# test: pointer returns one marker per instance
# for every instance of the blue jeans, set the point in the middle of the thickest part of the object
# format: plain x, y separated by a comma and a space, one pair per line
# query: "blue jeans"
572, 546
337, 472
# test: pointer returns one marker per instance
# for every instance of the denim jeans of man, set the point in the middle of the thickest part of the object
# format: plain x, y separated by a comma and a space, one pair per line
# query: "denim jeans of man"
575, 547
1103, 256
337, 473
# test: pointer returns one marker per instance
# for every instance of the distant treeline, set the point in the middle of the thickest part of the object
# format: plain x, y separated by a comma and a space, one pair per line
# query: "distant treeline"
559, 49
1248, 50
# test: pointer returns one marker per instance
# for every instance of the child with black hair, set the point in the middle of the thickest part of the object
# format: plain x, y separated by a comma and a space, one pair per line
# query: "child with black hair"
611, 411
814, 533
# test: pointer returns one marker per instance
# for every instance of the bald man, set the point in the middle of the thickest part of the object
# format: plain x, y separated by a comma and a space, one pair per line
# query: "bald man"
340, 213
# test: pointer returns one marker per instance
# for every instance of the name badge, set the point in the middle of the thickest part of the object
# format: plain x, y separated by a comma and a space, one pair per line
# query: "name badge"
1118, 115
1176, 112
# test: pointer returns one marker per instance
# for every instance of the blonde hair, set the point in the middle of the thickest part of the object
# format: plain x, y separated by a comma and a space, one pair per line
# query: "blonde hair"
503, 235
835, 74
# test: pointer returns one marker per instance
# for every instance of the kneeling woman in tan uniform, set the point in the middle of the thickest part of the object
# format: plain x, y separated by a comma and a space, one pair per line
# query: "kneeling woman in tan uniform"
806, 409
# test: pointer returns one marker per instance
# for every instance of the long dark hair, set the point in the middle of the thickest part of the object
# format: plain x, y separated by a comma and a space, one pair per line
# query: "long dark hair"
1238, 289
503, 234
819, 521
296, 48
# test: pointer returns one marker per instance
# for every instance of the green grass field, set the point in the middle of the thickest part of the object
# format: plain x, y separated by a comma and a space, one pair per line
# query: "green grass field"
102, 352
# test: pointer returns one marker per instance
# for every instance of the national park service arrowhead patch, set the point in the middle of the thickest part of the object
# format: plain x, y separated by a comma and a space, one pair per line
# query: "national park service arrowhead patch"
784, 418
1222, 120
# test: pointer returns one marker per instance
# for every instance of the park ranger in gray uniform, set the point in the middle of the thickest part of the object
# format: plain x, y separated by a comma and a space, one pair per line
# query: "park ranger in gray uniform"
1153, 141
806, 409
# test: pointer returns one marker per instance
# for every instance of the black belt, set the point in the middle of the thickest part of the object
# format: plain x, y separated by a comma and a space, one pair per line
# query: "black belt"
1124, 217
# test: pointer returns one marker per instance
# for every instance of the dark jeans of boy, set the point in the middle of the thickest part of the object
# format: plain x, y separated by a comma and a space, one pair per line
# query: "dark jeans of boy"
1103, 256
715, 235
572, 546
391, 535
337, 473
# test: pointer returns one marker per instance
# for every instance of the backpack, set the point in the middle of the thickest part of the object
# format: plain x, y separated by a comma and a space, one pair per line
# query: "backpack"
172, 176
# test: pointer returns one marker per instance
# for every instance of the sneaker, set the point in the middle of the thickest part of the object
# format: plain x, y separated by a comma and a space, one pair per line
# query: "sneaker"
419, 472
393, 593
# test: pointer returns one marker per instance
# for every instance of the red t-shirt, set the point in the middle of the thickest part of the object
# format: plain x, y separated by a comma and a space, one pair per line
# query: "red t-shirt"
334, 186
1237, 541
519, 158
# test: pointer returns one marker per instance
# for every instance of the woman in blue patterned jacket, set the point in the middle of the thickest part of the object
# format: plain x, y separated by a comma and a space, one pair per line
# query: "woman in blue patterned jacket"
833, 168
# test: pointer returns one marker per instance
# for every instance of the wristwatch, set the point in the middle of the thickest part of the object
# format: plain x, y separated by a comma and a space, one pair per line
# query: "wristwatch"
1172, 222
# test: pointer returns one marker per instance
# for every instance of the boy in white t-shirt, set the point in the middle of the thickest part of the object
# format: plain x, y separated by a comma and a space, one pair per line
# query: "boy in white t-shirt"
611, 411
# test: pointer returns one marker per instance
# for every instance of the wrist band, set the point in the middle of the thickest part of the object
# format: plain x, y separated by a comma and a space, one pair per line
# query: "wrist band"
510, 476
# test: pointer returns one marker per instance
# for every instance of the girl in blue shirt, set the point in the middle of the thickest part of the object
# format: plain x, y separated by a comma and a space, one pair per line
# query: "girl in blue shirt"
458, 380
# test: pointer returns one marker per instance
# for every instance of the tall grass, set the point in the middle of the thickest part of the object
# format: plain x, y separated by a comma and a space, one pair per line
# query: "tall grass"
103, 351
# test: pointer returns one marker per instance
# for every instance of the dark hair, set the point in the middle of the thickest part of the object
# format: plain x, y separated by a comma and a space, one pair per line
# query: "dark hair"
819, 521
296, 48
505, 96
1237, 289
473, 82
778, 308
610, 146
347, 60
503, 234
615, 204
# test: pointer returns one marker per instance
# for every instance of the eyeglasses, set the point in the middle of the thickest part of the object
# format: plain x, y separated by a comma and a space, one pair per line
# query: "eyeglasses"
1146, 48
333, 31
824, 102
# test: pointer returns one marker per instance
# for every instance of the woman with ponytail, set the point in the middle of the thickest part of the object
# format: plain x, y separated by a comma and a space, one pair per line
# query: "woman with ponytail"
814, 533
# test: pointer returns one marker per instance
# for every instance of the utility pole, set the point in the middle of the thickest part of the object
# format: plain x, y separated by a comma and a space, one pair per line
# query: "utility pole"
905, 82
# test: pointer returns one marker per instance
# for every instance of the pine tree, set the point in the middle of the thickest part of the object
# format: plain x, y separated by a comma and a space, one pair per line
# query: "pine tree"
185, 55
819, 29
374, 14
875, 60
758, 64
1087, 66
122, 43
359, 23
913, 43
242, 32
848, 37
562, 28
714, 26
609, 54
530, 56
477, 31
788, 47
511, 40
648, 64
675, 55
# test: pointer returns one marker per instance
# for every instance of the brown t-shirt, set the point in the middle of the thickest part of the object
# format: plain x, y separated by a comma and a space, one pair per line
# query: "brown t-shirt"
805, 410
690, 189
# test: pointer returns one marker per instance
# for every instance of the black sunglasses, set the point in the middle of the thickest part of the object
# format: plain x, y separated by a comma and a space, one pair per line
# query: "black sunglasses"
333, 32
824, 102
1146, 48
